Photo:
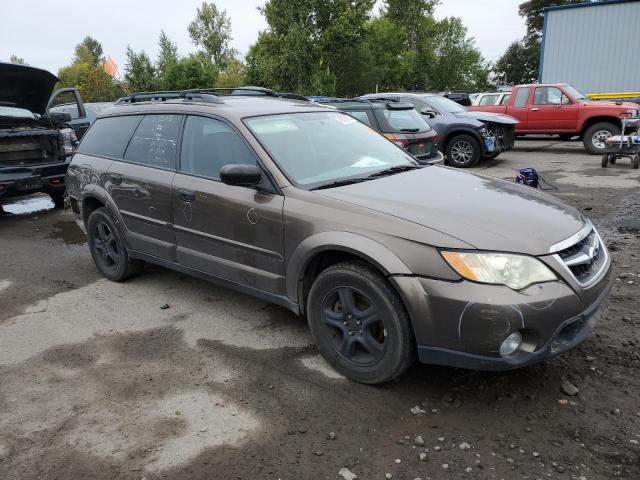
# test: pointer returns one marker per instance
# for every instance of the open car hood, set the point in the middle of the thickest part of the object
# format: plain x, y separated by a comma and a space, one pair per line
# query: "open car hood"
26, 87
488, 117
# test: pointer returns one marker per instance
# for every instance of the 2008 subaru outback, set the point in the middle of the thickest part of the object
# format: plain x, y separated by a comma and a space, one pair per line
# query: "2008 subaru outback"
307, 208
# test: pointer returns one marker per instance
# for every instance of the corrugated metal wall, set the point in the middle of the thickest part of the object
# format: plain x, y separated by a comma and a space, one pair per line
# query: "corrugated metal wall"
595, 48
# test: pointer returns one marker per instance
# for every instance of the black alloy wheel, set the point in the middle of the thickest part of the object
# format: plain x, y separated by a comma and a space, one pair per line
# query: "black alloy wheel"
354, 326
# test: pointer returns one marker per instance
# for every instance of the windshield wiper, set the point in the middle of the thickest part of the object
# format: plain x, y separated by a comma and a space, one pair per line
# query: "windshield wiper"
392, 170
409, 129
341, 183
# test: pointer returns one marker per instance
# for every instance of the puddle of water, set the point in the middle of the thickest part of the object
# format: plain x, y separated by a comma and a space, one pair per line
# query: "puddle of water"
31, 204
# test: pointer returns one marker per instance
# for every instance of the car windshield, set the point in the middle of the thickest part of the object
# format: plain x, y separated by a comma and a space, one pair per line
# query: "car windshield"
443, 104
15, 112
320, 148
575, 93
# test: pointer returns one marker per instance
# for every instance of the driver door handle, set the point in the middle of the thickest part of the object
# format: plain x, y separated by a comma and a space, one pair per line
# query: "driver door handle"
535, 109
187, 196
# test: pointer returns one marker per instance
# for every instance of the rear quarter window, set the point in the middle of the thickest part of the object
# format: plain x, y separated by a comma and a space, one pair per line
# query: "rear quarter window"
109, 137
403, 120
522, 96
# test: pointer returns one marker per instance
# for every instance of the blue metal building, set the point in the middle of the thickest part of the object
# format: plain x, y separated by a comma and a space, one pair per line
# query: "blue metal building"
593, 46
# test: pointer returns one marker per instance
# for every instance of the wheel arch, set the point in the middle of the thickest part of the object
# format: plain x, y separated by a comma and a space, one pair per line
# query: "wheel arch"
588, 122
322, 250
461, 130
94, 197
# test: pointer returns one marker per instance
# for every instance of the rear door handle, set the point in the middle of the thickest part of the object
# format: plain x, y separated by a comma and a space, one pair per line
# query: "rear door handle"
187, 195
115, 178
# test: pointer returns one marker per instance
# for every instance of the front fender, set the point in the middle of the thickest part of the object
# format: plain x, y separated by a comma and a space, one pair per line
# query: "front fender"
367, 249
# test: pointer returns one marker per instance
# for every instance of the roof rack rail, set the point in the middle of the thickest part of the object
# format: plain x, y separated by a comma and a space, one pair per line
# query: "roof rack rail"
341, 100
163, 96
208, 95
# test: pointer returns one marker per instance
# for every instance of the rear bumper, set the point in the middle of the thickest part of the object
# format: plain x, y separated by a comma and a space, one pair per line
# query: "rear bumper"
48, 178
435, 159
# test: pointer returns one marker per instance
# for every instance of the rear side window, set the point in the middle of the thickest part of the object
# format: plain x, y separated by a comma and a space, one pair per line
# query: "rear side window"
108, 137
403, 120
505, 99
360, 115
155, 142
208, 145
488, 100
522, 95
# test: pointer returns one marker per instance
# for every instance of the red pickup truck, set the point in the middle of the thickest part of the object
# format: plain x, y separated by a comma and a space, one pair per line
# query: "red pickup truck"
560, 109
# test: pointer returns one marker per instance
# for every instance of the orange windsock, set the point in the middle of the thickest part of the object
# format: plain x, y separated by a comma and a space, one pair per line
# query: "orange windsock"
110, 67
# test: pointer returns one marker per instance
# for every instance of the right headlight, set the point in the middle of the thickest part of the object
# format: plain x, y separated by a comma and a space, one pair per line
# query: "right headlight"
514, 271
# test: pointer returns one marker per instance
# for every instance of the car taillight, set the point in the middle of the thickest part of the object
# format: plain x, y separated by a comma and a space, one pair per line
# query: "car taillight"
399, 140
436, 140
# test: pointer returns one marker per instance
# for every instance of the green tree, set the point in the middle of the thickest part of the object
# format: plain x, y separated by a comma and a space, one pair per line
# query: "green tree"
93, 83
140, 73
167, 56
194, 71
211, 30
17, 60
233, 75
459, 65
89, 50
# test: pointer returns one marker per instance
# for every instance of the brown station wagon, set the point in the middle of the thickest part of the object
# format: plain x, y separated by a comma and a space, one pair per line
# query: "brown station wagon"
303, 206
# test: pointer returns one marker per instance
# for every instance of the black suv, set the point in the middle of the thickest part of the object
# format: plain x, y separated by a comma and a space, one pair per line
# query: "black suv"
398, 121
35, 143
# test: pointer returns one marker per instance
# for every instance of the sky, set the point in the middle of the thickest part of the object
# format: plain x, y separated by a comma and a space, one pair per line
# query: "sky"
44, 33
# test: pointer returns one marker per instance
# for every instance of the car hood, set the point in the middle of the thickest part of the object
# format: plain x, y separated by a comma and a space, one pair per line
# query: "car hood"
26, 87
488, 117
485, 212
624, 106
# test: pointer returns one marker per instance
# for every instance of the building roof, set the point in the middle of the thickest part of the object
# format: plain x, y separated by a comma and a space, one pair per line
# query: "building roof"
586, 4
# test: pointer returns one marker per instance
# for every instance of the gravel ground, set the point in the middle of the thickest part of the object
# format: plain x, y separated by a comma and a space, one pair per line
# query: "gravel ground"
98, 382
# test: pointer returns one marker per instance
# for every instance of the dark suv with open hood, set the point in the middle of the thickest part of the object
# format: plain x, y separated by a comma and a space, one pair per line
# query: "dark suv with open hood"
303, 206
35, 145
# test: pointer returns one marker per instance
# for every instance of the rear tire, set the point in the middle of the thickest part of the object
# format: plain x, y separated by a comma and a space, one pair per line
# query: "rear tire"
595, 136
463, 151
635, 163
359, 324
57, 198
107, 247
605, 160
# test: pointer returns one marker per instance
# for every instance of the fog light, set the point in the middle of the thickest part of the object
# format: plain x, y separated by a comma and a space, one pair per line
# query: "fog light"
511, 344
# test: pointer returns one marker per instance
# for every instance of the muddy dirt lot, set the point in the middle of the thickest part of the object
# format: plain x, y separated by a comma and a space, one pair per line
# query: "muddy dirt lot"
98, 382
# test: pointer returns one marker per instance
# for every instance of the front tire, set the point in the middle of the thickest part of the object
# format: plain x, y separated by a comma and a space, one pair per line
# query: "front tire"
635, 163
595, 136
463, 151
107, 248
359, 324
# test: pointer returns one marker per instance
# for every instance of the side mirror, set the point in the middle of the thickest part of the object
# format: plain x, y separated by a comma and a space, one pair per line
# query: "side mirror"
60, 117
241, 175
428, 112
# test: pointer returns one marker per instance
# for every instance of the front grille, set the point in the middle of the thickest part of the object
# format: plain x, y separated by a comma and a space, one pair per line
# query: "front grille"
585, 258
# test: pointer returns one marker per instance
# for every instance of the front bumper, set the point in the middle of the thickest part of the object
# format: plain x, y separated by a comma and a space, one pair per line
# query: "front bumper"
49, 178
462, 324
